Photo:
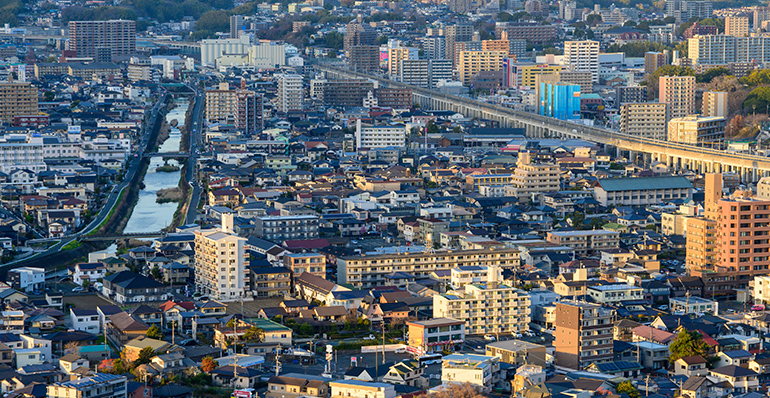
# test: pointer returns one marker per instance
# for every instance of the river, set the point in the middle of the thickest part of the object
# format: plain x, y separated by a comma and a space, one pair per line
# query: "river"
149, 215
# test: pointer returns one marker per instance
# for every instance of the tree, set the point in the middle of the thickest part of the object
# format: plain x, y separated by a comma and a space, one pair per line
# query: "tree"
637, 48
208, 364
72, 347
628, 388
711, 74
156, 273
334, 40
757, 77
145, 355
305, 329
49, 96
154, 332
465, 390
687, 344
593, 19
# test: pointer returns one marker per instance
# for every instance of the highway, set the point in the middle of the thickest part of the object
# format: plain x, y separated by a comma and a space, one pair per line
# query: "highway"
195, 140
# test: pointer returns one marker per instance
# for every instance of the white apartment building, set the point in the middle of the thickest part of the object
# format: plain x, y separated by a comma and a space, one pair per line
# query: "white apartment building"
290, 92
398, 54
582, 56
615, 293
761, 291
693, 305
21, 156
379, 136
358, 388
27, 279
220, 271
478, 370
489, 307
461, 276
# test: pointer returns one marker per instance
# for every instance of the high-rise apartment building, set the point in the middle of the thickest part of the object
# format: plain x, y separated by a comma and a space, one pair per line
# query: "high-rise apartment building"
465, 46
528, 73
531, 32
582, 56
434, 47
582, 79
358, 34
487, 307
697, 130
560, 100
114, 37
346, 92
220, 270
653, 61
737, 26
425, 73
17, 99
460, 6
629, 94
290, 92
584, 334
761, 14
456, 34
240, 108
727, 50
684, 10
472, 62
236, 26
496, 45
644, 119
715, 104
364, 58
398, 54
679, 93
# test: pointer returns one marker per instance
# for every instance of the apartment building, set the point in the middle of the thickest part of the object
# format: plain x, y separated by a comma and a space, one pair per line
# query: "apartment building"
679, 93
642, 191
21, 156
470, 63
531, 32
488, 307
220, 270
270, 281
394, 98
613, 294
496, 45
102, 385
358, 34
425, 73
102, 40
346, 92
475, 182
17, 99
436, 335
372, 137
644, 119
281, 228
654, 60
697, 130
300, 263
761, 289
365, 58
582, 79
630, 94
529, 73
480, 371
456, 34
533, 178
367, 271
582, 56
462, 276
715, 104
585, 242
737, 26
396, 55
434, 47
694, 305
584, 334
290, 92
702, 248
240, 108
358, 388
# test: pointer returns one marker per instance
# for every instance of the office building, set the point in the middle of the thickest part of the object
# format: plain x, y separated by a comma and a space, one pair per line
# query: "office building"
582, 56
364, 272
18, 99
653, 61
240, 108
585, 243
487, 307
372, 137
456, 34
697, 130
90, 38
436, 335
629, 94
679, 93
290, 92
737, 26
396, 55
220, 270
584, 334
531, 32
347, 92
715, 104
281, 228
642, 191
358, 34
644, 119
212, 49
364, 58
472, 62
102, 385
236, 26
434, 47
530, 178
560, 100
480, 371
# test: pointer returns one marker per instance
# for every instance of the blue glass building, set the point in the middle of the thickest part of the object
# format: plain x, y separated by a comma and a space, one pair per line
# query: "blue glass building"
560, 100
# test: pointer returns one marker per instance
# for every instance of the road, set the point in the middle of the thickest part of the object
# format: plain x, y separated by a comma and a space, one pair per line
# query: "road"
192, 161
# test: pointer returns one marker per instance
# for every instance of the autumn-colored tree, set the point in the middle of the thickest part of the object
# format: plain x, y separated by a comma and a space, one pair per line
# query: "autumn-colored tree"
145, 355
734, 126
72, 347
208, 364
465, 390
628, 388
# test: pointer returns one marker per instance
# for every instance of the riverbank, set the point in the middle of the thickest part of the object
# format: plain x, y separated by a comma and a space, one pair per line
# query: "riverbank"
167, 168
181, 211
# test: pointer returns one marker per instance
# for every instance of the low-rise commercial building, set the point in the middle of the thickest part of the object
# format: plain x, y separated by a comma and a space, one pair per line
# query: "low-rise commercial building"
435, 335
478, 370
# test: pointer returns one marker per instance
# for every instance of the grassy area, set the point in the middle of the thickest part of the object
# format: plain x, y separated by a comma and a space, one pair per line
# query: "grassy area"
112, 211
72, 245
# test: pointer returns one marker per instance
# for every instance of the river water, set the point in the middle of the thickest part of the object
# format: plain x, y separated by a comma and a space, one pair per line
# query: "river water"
148, 215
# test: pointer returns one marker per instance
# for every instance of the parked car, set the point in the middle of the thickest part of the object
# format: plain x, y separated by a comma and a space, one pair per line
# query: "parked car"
489, 337
369, 337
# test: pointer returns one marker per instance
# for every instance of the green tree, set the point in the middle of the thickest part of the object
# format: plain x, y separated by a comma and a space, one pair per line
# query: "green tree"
709, 75
145, 355
154, 332
334, 40
306, 329
628, 388
156, 273
593, 19
431, 128
687, 344
578, 218
757, 77
49, 96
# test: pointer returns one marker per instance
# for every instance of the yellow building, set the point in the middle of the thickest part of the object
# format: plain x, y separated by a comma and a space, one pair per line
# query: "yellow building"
396, 55
715, 104
737, 26
496, 45
528, 73
529, 178
473, 62
696, 129
644, 119
17, 99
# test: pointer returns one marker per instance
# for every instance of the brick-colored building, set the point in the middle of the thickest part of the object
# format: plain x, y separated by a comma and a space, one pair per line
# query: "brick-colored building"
584, 333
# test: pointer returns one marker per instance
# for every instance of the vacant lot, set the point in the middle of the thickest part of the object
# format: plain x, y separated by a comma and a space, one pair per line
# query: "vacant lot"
86, 301
251, 308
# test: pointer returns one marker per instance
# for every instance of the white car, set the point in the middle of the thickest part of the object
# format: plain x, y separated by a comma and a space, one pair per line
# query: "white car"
516, 335
489, 337
369, 337
77, 289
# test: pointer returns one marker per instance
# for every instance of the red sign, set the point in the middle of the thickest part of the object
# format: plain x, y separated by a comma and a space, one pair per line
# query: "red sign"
242, 394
